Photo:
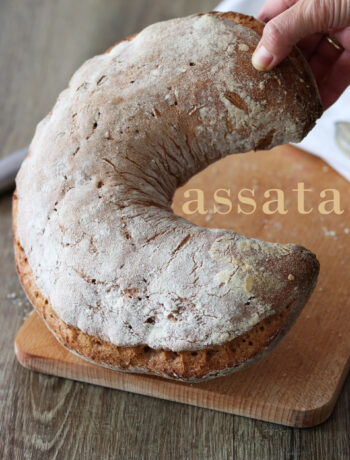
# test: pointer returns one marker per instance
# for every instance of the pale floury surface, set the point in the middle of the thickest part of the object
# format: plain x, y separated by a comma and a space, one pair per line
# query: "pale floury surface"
330, 139
94, 196
58, 417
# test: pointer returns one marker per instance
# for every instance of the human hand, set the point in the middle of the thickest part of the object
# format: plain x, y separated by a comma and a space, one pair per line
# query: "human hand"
309, 23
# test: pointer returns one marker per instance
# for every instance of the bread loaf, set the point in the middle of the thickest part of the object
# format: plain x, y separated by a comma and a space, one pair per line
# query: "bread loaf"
117, 277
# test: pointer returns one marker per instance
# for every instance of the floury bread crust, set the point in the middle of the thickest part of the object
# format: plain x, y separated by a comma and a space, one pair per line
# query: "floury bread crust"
116, 275
191, 366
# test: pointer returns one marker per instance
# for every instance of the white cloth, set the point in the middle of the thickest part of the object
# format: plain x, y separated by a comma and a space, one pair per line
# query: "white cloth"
330, 138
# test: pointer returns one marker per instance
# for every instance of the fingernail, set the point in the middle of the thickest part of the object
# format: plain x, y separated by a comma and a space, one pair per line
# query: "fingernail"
263, 18
262, 58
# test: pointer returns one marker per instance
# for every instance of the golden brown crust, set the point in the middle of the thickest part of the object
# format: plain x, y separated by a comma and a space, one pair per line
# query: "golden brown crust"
308, 90
186, 365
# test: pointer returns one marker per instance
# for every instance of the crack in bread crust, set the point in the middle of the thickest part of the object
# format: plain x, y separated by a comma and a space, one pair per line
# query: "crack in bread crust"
209, 331
197, 365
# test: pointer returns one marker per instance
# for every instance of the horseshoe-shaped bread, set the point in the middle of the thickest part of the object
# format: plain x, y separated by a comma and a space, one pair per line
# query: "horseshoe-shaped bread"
118, 278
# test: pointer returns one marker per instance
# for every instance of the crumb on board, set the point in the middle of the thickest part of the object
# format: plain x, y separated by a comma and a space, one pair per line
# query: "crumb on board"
330, 233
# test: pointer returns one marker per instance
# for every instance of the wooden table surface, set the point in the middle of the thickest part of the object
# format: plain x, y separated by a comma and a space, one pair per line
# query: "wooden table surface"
42, 42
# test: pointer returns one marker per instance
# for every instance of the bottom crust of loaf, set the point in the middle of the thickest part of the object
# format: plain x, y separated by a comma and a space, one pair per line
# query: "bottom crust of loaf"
191, 366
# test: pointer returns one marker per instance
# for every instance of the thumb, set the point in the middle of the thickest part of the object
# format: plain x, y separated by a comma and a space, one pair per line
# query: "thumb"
285, 30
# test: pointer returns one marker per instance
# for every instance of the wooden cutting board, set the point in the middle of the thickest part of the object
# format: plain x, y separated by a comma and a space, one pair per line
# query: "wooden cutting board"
299, 382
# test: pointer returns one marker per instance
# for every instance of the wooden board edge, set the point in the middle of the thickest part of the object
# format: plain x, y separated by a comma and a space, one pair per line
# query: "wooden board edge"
88, 373
318, 415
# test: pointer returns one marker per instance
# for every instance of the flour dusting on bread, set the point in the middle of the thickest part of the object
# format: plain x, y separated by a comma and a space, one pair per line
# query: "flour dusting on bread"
94, 195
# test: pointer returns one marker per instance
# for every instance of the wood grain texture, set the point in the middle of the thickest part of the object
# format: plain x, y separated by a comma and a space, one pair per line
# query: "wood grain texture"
41, 43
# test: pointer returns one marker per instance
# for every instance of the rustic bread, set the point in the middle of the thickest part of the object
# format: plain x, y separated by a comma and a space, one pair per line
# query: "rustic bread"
117, 277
